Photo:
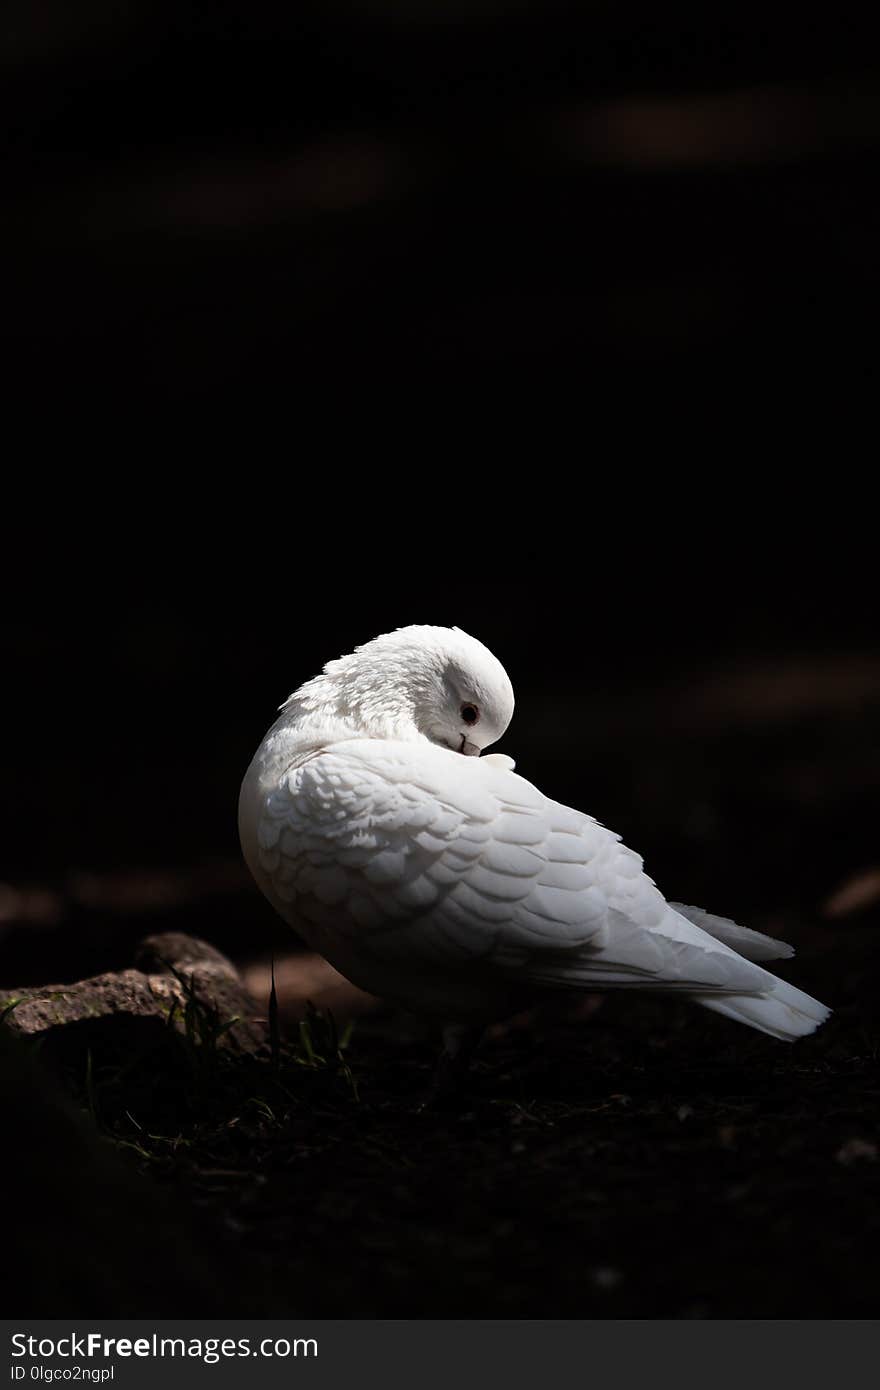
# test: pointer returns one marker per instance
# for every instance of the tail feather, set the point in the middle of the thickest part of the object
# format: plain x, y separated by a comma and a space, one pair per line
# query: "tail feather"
754, 945
784, 1012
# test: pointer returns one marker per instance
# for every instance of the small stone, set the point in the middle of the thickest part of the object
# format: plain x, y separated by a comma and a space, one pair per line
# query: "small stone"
858, 893
856, 1151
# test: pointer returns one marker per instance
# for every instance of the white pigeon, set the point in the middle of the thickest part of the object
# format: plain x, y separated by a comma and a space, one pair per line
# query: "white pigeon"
449, 884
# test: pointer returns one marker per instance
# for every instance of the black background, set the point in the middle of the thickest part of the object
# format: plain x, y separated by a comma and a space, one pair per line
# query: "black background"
245, 211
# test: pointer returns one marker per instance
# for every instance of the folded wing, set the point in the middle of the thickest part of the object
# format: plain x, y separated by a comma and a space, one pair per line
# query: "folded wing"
424, 854
418, 855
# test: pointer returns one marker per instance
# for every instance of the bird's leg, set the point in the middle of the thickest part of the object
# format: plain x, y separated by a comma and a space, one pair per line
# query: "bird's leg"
460, 1041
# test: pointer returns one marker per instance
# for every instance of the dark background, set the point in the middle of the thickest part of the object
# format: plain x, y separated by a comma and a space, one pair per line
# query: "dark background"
556, 325
248, 210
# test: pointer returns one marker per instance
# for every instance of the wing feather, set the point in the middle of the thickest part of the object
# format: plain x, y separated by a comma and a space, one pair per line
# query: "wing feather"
457, 851
418, 855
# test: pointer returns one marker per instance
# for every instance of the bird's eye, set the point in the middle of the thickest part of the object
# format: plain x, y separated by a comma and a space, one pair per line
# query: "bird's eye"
470, 714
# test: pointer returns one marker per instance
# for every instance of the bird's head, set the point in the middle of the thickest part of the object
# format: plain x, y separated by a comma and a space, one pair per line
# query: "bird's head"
432, 682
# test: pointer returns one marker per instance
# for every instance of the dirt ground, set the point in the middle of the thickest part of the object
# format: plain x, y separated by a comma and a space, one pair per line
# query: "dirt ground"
643, 1163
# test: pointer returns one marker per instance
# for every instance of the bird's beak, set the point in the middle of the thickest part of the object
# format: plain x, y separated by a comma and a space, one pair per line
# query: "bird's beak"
470, 750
